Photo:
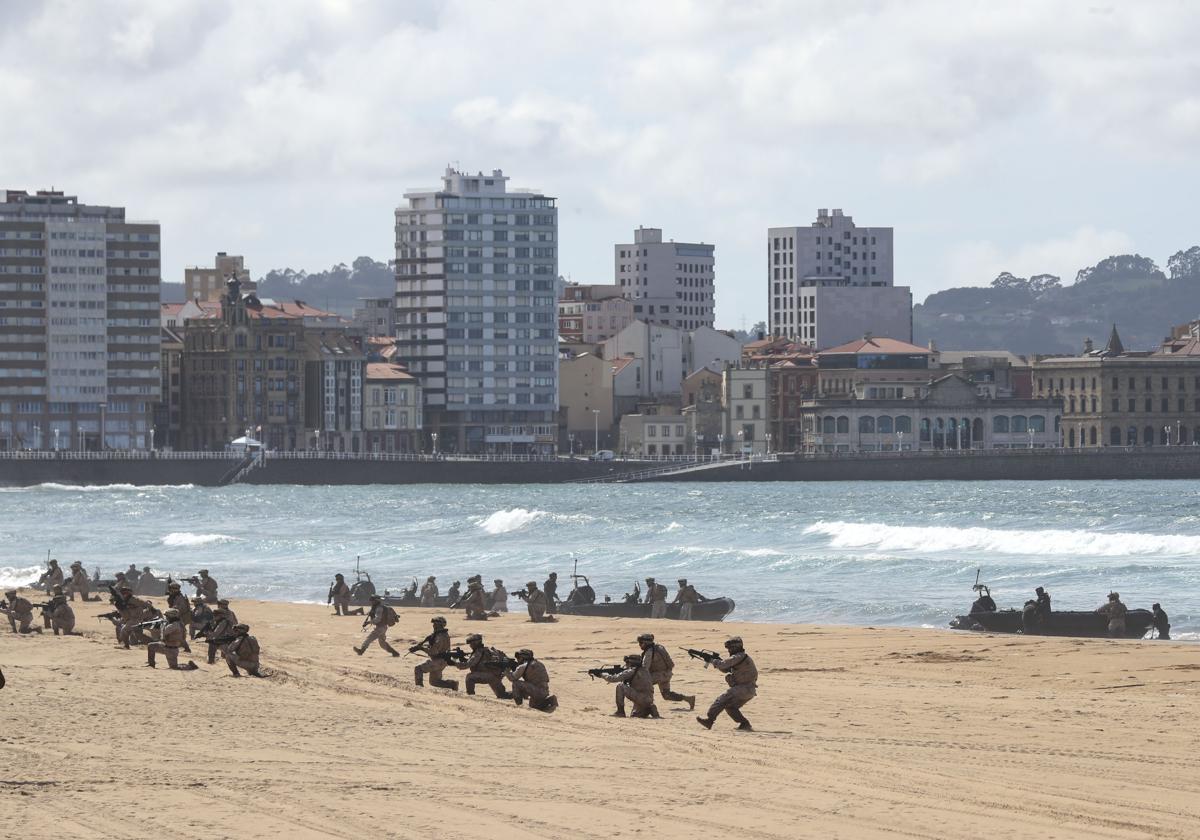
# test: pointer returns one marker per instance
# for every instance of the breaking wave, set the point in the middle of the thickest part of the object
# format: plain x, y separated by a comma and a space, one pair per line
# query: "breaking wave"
186, 539
11, 577
506, 521
1065, 542
93, 488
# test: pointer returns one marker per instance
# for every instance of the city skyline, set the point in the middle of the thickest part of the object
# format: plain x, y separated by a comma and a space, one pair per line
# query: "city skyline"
991, 139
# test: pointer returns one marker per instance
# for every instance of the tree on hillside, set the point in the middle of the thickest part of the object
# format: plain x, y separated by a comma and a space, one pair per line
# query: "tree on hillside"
1119, 268
1185, 263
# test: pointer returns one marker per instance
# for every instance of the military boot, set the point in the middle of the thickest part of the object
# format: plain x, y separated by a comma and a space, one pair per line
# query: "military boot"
418, 675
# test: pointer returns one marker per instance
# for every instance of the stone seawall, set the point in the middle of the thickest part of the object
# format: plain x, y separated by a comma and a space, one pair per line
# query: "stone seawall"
1013, 465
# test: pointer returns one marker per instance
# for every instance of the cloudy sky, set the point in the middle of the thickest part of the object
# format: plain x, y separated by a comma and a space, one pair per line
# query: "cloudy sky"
1028, 137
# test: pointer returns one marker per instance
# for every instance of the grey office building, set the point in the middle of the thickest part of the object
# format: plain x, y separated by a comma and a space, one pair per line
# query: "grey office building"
476, 312
79, 324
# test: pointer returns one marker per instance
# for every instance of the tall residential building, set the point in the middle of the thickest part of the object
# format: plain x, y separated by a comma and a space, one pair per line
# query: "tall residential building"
201, 283
79, 324
831, 282
670, 283
476, 311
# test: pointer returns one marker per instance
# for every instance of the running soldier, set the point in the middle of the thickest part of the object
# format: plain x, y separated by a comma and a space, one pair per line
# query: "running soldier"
174, 637
634, 685
243, 652
742, 677
531, 681
437, 647
657, 662
482, 669
381, 617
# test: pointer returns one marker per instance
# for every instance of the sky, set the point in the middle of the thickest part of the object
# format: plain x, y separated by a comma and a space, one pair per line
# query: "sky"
1025, 137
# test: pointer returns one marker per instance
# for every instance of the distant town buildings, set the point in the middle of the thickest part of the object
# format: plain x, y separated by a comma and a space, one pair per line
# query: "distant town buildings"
79, 326
476, 311
833, 281
376, 316
392, 409
670, 283
204, 284
592, 313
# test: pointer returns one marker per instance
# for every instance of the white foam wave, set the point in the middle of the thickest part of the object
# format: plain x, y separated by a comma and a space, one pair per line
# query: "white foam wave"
186, 539
94, 488
505, 521
674, 526
1051, 541
11, 577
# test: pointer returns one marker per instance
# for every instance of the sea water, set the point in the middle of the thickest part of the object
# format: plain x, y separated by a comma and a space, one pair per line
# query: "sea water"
849, 553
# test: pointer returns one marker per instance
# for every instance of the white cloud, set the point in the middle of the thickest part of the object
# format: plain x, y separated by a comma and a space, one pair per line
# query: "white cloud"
978, 263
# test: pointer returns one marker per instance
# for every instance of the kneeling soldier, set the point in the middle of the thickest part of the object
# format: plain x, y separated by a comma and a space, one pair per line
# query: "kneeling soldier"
481, 669
531, 680
20, 613
742, 677
174, 636
242, 652
62, 617
634, 685
436, 646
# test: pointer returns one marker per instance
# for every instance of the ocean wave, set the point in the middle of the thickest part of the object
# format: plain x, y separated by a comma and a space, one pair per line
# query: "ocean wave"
506, 521
674, 526
94, 488
11, 577
1050, 541
186, 539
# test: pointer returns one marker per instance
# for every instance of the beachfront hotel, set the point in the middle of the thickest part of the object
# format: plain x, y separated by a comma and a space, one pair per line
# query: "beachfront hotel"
476, 311
79, 324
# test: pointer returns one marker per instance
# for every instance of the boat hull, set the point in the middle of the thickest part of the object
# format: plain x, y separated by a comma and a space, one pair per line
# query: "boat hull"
714, 609
1062, 623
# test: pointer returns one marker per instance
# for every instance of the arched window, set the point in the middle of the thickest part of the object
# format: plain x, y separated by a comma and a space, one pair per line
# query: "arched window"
1114, 436
1092, 436
1000, 424
904, 424
1071, 438
1037, 423
843, 425
1057, 423
976, 430
1020, 423
828, 424
1131, 436
926, 433
866, 425
1148, 436
884, 425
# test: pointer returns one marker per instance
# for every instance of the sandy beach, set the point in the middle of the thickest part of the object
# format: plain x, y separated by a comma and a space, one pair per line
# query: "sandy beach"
861, 733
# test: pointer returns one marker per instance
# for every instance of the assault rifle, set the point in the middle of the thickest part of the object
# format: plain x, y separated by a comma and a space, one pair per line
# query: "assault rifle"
455, 655
504, 663
113, 616
223, 640
118, 601
154, 622
609, 670
203, 631
709, 656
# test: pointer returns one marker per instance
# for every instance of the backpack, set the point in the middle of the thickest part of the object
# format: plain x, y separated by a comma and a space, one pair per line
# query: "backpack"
390, 617
663, 659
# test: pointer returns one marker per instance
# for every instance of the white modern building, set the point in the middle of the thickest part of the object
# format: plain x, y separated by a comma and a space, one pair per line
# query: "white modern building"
670, 283
476, 311
79, 324
832, 281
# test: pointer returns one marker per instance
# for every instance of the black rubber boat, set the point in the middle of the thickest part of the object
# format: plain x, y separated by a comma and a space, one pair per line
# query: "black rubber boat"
1062, 623
714, 609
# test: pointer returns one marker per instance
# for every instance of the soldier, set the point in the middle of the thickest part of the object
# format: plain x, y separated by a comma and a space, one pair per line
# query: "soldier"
429, 592
62, 617
206, 586
78, 582
475, 603
147, 583
133, 613
223, 622
132, 576
1115, 611
52, 577
202, 616
339, 596
535, 601
686, 598
550, 590
1161, 623
436, 646
453, 594
177, 601
119, 581
499, 597
20, 613
656, 597
531, 680
382, 617
174, 637
742, 677
634, 685
657, 662
243, 652
480, 669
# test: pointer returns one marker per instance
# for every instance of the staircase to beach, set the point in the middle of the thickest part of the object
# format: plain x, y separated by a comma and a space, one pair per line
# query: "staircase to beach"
248, 464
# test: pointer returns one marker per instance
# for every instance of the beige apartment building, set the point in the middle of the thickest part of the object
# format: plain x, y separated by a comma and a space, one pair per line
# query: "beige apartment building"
590, 314
392, 409
1119, 397
585, 388
201, 283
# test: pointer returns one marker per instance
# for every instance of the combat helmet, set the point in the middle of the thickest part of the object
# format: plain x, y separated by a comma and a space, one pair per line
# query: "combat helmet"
473, 638
632, 659
734, 644
241, 628
439, 620
523, 653
172, 613
645, 637
1114, 596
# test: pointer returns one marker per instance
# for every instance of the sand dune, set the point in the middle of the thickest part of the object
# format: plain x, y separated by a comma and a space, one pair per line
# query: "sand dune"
862, 733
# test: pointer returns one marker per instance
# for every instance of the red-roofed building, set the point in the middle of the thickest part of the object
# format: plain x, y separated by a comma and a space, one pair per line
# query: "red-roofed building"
392, 409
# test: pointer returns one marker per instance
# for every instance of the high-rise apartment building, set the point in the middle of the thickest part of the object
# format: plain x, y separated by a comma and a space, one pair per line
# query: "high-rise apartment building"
832, 282
201, 283
670, 283
79, 324
476, 311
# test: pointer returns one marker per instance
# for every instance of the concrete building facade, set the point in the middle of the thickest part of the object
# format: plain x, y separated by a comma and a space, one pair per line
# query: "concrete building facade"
476, 311
79, 324
670, 283
586, 397
832, 281
201, 283
391, 409
654, 434
376, 316
590, 314
747, 417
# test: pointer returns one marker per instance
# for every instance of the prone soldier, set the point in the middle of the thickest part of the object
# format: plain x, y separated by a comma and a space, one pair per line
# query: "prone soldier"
634, 685
657, 662
741, 676
381, 617
483, 667
174, 637
531, 681
243, 652
437, 647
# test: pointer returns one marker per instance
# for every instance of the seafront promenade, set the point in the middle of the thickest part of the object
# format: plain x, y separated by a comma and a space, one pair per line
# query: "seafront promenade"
23, 469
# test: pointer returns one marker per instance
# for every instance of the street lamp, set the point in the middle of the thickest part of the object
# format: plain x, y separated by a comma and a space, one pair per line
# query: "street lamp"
596, 429
768, 443
571, 441
740, 437
37, 436
1167, 435
899, 441
435, 449
318, 440
699, 440
56, 440
721, 443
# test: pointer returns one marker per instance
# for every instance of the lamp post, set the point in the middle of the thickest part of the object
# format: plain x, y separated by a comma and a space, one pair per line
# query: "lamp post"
1167, 435
768, 444
596, 430
56, 440
318, 440
435, 449
699, 440
721, 443
37, 436
571, 441
899, 441
740, 437
1031, 437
